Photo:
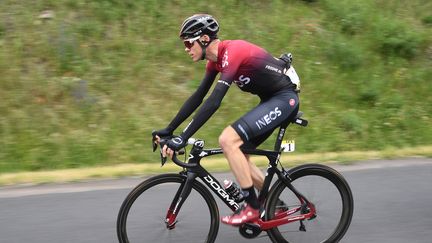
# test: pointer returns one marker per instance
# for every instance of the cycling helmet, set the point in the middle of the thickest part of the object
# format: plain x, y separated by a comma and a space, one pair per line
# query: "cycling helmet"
198, 25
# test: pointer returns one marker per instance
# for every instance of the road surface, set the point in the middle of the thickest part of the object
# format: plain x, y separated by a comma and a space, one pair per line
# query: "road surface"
393, 203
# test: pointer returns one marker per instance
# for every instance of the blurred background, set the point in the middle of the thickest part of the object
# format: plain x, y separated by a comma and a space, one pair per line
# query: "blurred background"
83, 83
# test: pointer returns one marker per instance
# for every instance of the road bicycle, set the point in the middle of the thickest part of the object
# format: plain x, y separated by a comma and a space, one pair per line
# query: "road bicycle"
308, 203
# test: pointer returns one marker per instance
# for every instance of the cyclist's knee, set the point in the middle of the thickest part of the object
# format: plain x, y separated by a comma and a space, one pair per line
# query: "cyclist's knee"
229, 139
225, 139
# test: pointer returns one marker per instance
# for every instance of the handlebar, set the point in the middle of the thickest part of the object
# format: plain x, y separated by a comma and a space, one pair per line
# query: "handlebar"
163, 141
181, 163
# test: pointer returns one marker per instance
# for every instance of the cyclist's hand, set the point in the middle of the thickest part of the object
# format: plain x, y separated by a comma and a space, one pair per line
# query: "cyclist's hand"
167, 152
166, 132
176, 143
157, 135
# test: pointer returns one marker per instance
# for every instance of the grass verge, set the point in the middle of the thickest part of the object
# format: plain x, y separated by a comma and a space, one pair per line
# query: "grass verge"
218, 164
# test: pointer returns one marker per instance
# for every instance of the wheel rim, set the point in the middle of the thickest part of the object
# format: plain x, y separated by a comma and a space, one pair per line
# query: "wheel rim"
332, 210
145, 220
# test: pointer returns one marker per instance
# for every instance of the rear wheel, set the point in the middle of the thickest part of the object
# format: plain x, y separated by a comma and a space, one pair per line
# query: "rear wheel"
142, 216
327, 190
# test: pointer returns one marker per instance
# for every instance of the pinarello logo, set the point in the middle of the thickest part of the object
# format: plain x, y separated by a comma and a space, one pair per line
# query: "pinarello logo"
292, 102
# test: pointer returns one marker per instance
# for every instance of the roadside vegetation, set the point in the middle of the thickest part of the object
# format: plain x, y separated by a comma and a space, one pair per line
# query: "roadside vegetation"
83, 83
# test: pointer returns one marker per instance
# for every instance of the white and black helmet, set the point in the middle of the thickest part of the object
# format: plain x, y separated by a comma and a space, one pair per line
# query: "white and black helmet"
198, 25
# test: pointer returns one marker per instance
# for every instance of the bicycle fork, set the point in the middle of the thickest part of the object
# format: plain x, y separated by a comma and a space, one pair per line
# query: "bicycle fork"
179, 198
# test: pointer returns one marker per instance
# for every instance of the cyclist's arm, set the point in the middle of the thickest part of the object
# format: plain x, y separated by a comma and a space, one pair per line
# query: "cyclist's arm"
209, 107
193, 101
213, 102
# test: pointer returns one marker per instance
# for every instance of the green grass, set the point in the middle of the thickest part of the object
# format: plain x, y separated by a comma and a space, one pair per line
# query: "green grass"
87, 87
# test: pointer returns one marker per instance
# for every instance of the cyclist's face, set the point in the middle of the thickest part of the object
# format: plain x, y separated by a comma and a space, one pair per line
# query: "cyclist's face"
193, 49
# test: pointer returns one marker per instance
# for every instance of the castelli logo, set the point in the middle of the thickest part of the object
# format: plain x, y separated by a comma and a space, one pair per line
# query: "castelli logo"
292, 102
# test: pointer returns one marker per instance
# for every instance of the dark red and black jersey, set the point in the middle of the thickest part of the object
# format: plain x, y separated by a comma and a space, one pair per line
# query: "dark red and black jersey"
250, 67
247, 65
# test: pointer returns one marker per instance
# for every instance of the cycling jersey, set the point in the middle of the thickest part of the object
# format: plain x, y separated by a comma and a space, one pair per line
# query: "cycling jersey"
248, 66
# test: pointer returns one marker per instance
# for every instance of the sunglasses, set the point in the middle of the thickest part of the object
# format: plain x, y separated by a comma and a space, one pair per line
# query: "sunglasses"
188, 43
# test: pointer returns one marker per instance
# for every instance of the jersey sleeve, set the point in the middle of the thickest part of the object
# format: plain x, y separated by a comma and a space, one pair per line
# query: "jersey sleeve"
194, 100
209, 107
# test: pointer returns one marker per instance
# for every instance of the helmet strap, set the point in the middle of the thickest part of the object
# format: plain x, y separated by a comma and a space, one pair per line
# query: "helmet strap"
203, 55
204, 46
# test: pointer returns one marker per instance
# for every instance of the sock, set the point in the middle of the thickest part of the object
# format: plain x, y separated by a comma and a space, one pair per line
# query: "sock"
251, 197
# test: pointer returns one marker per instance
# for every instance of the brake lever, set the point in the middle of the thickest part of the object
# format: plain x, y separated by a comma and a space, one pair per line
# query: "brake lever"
163, 159
161, 144
154, 144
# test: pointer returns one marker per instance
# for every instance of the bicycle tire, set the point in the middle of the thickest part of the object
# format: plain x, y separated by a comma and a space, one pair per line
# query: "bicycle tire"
325, 176
165, 180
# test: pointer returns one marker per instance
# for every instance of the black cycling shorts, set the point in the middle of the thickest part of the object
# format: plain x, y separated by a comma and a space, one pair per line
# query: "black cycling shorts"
259, 123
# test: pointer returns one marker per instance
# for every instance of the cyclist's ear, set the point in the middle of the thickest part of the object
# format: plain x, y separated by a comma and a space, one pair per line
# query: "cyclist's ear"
205, 38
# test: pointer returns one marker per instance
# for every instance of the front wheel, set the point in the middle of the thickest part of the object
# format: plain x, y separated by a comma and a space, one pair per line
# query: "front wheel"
331, 196
142, 216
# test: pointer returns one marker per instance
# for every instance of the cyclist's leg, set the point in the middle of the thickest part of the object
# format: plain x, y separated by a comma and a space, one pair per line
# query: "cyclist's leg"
259, 123
256, 174
254, 128
230, 143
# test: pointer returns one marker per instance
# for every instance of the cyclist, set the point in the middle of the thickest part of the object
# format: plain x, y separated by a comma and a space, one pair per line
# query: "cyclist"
253, 70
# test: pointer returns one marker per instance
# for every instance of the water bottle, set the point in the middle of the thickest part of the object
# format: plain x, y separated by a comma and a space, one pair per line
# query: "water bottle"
233, 190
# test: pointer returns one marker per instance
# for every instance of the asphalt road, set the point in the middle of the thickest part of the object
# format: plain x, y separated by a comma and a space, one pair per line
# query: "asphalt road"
393, 201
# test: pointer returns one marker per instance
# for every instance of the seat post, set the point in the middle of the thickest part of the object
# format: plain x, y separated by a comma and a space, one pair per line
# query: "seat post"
283, 127
281, 135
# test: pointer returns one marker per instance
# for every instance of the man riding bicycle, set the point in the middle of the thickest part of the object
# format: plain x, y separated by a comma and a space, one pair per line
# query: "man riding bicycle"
253, 70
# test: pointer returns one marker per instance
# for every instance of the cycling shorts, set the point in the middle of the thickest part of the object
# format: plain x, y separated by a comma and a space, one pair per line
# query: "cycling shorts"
259, 123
